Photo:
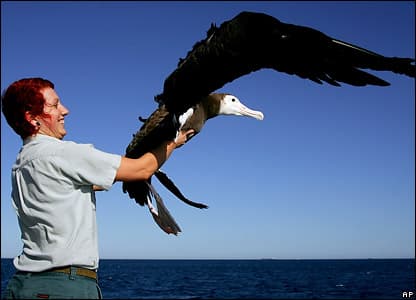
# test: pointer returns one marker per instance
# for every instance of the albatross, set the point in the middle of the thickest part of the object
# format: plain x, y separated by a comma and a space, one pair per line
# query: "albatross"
247, 43
213, 105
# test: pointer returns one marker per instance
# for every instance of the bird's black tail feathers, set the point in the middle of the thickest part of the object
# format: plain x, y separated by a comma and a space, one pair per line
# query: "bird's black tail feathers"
162, 217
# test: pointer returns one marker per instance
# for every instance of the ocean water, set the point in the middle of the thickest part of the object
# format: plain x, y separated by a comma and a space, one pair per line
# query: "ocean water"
252, 279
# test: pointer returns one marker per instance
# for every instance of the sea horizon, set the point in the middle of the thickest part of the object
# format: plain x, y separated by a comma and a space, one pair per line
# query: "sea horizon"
262, 258
251, 278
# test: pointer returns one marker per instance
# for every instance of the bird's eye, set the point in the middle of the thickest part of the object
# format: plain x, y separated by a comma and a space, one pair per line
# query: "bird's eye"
232, 99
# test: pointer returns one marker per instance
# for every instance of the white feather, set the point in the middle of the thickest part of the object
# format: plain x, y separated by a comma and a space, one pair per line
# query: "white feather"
182, 120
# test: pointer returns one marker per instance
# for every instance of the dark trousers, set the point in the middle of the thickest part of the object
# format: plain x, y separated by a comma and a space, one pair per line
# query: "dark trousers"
51, 285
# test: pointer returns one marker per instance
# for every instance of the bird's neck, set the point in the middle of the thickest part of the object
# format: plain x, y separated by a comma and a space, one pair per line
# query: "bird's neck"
211, 106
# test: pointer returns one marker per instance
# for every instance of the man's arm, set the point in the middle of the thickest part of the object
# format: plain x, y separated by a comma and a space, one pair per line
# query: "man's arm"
142, 168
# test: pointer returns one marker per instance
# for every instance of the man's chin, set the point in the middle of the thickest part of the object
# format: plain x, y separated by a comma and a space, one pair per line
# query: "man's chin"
62, 135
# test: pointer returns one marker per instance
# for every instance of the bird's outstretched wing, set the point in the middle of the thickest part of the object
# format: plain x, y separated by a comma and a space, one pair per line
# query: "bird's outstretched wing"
253, 41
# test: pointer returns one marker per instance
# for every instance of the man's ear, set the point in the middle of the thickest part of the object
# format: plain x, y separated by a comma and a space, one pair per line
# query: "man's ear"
29, 118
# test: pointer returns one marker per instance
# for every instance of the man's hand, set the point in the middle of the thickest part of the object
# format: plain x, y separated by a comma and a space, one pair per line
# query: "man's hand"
183, 136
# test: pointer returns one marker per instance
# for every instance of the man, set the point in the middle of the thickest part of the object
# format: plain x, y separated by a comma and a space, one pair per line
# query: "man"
53, 183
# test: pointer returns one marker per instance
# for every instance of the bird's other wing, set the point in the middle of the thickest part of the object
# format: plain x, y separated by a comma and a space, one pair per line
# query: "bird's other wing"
161, 124
252, 41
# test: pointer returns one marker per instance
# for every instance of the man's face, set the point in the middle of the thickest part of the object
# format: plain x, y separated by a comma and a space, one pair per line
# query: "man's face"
52, 119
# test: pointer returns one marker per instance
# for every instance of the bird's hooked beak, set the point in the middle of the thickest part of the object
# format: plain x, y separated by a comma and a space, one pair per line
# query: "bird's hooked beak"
245, 111
231, 105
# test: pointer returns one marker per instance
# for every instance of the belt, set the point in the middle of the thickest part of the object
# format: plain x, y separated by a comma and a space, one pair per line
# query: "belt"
79, 271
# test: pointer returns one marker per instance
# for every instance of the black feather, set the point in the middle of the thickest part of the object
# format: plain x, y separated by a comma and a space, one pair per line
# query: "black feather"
168, 183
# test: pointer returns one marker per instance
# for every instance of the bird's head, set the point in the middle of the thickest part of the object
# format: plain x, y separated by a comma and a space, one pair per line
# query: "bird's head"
231, 105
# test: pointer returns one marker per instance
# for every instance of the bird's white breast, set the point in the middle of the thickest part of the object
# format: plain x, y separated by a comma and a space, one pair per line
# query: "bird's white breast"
185, 116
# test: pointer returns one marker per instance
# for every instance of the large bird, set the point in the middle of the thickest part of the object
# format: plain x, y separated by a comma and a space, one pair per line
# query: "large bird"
194, 118
247, 43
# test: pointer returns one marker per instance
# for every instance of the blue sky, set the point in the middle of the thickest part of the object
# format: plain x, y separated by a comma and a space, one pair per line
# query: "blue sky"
329, 173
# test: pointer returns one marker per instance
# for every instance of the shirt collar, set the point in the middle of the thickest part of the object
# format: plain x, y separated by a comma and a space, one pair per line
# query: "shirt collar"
38, 137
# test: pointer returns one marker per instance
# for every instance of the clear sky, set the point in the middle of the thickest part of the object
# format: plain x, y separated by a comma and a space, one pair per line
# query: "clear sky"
329, 173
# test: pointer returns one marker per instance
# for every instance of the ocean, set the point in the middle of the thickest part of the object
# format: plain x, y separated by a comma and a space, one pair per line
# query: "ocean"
252, 279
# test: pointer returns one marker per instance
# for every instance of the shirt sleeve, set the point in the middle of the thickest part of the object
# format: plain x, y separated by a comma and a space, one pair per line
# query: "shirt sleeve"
86, 165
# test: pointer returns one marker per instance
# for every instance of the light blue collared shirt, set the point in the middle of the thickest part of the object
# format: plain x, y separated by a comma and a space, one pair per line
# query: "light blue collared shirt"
52, 193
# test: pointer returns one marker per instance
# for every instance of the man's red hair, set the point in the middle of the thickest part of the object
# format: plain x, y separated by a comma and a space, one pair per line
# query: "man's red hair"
24, 96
